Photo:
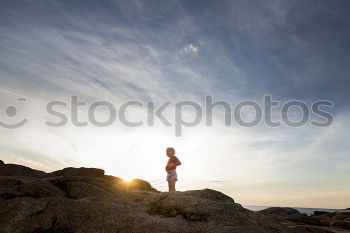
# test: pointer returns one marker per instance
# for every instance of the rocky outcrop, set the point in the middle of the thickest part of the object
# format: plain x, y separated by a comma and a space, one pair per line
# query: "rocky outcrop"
209, 194
319, 222
77, 200
86, 201
341, 215
70, 171
280, 211
12, 187
19, 170
323, 213
341, 224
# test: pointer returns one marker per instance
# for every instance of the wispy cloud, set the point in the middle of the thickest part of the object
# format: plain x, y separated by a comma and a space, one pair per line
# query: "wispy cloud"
132, 50
191, 49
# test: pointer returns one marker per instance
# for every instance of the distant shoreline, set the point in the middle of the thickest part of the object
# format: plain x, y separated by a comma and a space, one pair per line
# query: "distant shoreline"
307, 211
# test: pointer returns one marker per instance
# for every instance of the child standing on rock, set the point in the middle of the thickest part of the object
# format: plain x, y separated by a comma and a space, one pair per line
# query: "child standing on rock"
170, 168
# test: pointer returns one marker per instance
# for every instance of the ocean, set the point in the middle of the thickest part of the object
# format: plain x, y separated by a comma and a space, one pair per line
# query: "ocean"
307, 211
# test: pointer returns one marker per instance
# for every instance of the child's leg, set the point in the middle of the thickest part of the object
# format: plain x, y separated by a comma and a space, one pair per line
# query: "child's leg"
172, 185
174, 182
169, 185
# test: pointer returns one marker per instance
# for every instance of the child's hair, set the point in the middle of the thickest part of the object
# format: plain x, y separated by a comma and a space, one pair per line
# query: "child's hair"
171, 148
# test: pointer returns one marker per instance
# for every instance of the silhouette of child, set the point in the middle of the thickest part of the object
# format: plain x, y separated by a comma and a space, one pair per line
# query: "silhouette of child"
170, 168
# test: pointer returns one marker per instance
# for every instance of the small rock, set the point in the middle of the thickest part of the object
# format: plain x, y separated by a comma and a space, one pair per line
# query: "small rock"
2, 162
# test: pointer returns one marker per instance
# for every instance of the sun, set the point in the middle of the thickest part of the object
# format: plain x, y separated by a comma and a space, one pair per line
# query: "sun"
128, 179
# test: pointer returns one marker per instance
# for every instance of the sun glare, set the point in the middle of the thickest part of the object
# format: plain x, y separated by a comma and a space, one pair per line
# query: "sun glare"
128, 180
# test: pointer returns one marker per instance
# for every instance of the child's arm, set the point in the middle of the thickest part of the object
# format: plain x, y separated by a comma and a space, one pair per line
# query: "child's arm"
177, 162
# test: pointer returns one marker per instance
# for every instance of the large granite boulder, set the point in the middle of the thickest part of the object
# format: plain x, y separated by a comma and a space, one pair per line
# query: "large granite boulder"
86, 201
210, 195
210, 206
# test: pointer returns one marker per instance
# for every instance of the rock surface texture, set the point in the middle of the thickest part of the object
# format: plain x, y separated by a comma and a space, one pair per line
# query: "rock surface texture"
84, 200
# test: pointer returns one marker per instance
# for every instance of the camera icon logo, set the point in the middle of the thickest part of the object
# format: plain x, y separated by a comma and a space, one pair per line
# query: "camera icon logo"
11, 112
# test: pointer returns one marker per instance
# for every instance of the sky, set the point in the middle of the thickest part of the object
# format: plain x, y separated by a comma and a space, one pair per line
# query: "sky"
172, 51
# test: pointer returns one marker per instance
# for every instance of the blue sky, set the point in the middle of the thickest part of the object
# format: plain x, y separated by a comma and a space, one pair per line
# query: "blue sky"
183, 50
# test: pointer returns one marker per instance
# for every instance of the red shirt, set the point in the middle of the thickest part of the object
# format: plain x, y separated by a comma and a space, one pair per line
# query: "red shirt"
175, 161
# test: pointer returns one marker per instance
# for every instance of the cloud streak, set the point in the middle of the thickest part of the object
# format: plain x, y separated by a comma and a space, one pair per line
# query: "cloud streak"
181, 50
